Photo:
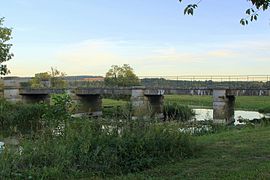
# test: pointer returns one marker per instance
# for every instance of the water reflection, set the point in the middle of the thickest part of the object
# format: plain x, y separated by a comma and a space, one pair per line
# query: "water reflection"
207, 114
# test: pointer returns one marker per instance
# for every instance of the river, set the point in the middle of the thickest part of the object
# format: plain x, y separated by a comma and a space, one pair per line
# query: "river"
207, 114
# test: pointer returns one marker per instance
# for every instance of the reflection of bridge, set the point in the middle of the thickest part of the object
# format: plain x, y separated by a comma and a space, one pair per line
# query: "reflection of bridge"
142, 98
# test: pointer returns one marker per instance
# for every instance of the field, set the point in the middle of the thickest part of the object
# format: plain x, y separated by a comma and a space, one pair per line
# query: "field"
254, 103
234, 154
242, 102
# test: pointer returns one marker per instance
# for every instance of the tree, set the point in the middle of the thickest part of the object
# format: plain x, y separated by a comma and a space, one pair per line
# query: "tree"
5, 54
251, 13
121, 76
53, 79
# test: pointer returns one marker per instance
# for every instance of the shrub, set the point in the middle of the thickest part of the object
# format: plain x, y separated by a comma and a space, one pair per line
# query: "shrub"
20, 118
175, 111
97, 147
264, 110
118, 112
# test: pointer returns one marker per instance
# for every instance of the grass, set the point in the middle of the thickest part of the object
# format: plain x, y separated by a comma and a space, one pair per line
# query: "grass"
112, 102
252, 103
242, 102
234, 154
1, 88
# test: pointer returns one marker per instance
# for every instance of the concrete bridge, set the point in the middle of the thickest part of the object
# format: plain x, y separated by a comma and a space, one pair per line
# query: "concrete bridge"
144, 101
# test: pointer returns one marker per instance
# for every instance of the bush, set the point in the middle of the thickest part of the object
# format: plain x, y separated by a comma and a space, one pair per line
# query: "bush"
97, 147
118, 112
175, 111
20, 118
264, 110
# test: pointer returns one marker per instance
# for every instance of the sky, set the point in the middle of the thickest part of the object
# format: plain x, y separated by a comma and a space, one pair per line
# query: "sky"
86, 37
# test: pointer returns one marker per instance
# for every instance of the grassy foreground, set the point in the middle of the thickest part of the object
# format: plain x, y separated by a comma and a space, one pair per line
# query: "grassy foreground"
234, 154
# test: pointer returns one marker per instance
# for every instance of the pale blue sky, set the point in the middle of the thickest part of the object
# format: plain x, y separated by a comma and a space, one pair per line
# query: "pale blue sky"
153, 36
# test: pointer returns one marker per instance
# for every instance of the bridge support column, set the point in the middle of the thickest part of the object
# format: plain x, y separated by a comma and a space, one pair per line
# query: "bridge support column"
11, 90
88, 104
223, 106
155, 104
36, 98
148, 103
138, 101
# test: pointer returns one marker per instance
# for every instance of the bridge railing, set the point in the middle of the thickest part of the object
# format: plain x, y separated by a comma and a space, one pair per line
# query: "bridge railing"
184, 81
233, 81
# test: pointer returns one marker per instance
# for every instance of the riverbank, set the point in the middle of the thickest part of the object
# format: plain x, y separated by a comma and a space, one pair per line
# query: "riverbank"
249, 103
252, 103
233, 154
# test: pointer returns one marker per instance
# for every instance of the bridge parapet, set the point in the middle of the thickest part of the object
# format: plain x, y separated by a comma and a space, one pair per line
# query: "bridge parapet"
28, 91
103, 91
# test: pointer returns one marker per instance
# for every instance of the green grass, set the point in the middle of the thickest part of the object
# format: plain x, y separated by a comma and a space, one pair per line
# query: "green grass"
202, 101
112, 102
234, 154
242, 102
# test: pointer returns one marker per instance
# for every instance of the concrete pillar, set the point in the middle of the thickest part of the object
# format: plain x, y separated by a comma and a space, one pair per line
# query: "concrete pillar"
139, 102
223, 106
87, 104
36, 98
11, 89
155, 103
147, 102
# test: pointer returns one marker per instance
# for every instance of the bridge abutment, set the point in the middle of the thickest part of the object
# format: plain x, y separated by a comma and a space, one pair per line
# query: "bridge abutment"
223, 106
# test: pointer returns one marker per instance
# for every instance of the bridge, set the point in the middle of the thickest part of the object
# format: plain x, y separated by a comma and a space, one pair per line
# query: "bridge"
144, 99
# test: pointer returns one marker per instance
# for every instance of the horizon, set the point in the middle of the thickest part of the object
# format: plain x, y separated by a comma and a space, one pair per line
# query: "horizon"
153, 37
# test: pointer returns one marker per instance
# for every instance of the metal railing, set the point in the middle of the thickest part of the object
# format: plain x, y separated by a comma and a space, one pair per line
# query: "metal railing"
191, 81
183, 81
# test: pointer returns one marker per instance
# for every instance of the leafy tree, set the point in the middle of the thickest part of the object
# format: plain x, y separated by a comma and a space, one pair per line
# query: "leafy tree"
121, 76
53, 79
251, 13
5, 54
57, 78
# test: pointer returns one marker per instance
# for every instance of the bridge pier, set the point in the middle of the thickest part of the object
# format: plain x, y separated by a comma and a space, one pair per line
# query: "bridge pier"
88, 104
223, 106
36, 98
146, 102
11, 90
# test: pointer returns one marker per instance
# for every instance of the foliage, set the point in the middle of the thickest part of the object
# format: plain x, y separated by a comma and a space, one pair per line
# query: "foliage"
21, 119
97, 147
265, 109
53, 79
5, 54
234, 154
17, 119
252, 13
121, 76
175, 111
118, 111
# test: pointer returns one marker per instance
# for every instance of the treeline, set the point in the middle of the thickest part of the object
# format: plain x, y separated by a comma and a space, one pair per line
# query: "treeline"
161, 82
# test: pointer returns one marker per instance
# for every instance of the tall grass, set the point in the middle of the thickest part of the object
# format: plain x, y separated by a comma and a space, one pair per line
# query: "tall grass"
67, 147
177, 112
18, 119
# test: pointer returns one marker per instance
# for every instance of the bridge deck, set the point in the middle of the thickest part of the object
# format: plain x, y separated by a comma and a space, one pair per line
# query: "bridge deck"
147, 92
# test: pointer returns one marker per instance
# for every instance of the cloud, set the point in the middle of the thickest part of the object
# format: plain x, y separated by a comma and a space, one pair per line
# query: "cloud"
91, 52
97, 55
221, 53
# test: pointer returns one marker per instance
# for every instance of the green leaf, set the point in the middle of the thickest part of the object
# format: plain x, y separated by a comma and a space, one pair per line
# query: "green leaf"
248, 11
